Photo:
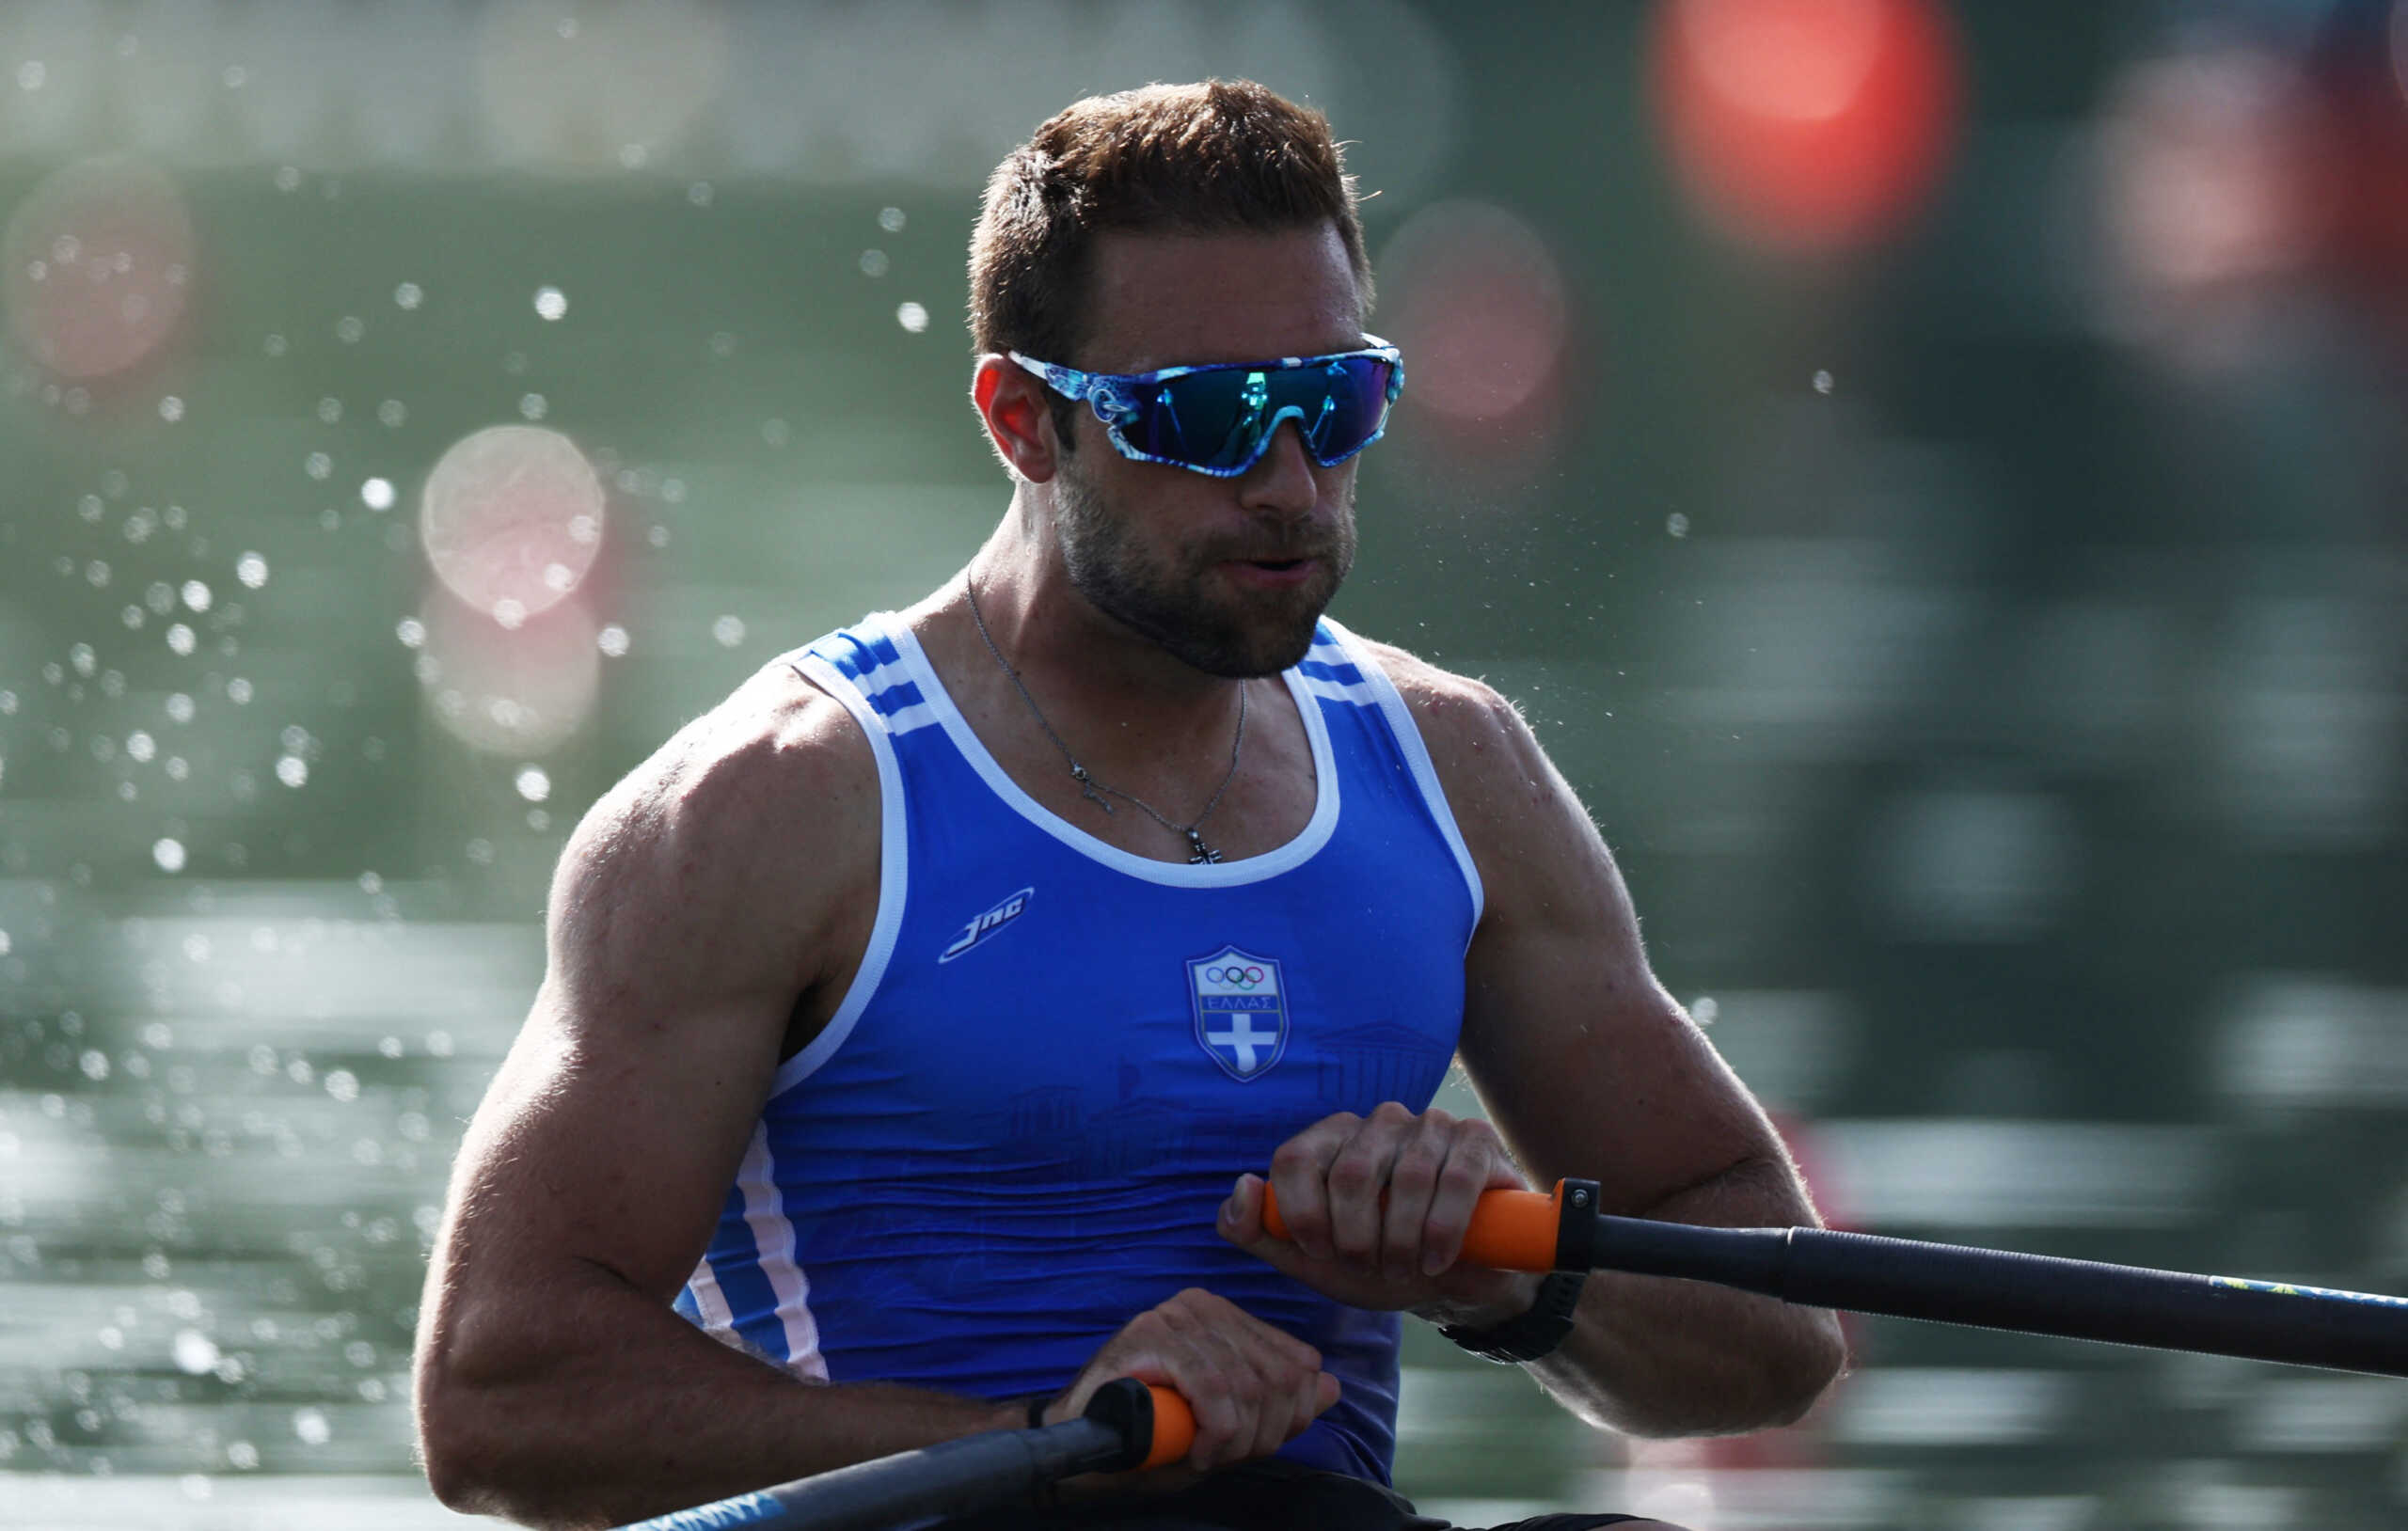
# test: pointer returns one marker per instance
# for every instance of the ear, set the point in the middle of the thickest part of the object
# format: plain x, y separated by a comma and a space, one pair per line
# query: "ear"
1017, 411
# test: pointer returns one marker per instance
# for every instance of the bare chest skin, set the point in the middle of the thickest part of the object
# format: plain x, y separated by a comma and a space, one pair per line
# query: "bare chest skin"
1269, 801
1271, 793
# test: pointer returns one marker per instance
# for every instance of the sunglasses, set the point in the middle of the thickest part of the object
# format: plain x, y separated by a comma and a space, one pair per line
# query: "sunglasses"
1219, 419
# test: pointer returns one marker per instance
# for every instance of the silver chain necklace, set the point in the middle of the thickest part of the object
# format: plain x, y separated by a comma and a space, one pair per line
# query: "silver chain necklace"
1093, 790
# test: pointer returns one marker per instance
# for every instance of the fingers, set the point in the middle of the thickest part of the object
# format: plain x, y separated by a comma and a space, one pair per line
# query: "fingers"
1252, 1387
1390, 1193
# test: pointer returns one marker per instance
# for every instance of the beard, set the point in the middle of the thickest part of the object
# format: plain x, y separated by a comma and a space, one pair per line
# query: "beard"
1169, 595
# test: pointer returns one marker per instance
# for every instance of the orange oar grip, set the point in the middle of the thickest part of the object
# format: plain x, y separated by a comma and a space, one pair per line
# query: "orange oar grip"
1511, 1230
1174, 1428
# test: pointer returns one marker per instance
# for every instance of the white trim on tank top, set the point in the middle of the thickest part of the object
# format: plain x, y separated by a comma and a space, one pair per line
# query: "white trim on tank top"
1416, 754
1287, 857
894, 874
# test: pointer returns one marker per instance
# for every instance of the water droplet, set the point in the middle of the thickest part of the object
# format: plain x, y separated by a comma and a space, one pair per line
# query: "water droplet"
550, 303
774, 431
142, 746
196, 1353
533, 405
31, 73
874, 262
348, 329
1822, 382
236, 76
251, 569
534, 783
699, 194
318, 465
171, 409
243, 1455
342, 1085
273, 345
81, 657
96, 574
729, 631
180, 707
377, 494
891, 219
612, 640
511, 613
238, 691
409, 294
288, 178
1677, 524
95, 1064
292, 770
181, 638
392, 412
411, 631
1704, 1010
912, 317
196, 595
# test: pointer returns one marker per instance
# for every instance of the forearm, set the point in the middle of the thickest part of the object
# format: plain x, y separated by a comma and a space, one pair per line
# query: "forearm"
597, 1406
1649, 1355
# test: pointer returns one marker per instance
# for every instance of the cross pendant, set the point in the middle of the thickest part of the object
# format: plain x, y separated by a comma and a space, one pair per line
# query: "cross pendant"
1087, 787
1200, 854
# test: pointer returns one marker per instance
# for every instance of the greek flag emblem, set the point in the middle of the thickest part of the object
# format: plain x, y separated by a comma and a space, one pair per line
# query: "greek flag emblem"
1241, 1018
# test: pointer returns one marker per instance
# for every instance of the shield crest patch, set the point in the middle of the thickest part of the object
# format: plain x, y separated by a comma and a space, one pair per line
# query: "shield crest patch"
1240, 1015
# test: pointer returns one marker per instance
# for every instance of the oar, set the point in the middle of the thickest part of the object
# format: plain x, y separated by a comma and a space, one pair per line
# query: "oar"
1902, 1278
1127, 1425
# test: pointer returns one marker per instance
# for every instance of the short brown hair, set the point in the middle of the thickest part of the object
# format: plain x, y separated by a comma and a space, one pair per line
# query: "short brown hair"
1222, 155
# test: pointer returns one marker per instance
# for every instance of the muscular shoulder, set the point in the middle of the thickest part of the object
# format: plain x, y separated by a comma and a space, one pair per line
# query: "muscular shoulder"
1487, 757
731, 843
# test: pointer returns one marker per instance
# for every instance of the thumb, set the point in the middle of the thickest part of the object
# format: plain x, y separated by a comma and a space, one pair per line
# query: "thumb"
1241, 1218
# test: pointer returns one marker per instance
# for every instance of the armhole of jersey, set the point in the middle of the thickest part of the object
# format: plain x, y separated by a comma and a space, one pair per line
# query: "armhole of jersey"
1417, 756
893, 869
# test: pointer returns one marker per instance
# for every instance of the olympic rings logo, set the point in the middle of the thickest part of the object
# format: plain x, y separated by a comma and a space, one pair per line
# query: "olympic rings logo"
1240, 977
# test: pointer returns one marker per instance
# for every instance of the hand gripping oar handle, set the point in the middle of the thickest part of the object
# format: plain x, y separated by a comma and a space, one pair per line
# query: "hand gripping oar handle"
2032, 1294
1128, 1424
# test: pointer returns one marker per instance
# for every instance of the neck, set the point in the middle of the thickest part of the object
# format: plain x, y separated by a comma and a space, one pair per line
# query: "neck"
1085, 667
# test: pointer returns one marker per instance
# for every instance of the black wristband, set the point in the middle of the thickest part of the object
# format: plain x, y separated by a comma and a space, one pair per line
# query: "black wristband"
1528, 1335
1036, 1407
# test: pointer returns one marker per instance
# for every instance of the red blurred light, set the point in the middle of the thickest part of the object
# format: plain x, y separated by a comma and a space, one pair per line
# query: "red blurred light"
96, 267
512, 520
1480, 313
1806, 125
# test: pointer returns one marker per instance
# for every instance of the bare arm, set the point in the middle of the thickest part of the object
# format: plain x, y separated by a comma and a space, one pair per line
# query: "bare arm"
1588, 1068
555, 1383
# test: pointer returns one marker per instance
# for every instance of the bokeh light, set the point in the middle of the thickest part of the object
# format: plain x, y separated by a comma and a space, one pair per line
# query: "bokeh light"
512, 520
1477, 303
519, 691
96, 267
2211, 198
1806, 125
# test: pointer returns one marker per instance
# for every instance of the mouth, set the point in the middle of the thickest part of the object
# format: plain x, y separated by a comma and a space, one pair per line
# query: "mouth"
1273, 573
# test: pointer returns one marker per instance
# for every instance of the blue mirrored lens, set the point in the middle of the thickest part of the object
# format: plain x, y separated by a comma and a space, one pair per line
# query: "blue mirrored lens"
1220, 420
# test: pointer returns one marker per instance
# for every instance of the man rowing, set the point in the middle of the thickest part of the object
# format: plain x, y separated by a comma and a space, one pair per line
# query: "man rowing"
919, 1023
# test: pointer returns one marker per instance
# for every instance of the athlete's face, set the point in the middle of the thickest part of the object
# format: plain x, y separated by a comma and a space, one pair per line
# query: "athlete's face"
1227, 574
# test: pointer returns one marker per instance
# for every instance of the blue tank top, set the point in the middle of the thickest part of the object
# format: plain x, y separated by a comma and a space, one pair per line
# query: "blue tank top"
1016, 1130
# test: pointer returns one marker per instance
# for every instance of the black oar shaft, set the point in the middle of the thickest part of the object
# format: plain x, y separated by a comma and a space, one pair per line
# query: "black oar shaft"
2033, 1294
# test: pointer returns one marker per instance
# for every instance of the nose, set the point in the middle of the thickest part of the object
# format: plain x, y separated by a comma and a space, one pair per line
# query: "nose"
1281, 484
